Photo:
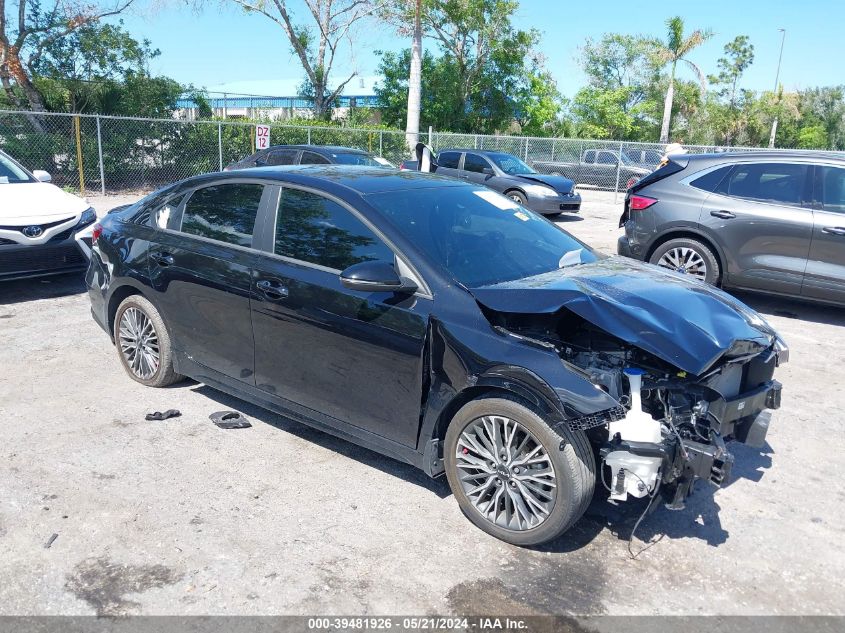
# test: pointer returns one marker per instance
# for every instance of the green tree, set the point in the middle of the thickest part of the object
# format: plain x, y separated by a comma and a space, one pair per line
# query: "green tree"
731, 105
538, 104
316, 43
824, 108
38, 27
676, 49
481, 81
621, 73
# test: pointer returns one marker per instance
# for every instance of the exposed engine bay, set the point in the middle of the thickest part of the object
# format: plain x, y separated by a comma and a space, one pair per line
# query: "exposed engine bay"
671, 428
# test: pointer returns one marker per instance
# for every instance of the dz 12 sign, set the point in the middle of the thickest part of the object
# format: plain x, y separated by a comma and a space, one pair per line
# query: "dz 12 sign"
262, 137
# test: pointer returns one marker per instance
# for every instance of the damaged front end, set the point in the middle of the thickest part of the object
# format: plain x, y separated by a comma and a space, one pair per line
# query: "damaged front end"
683, 392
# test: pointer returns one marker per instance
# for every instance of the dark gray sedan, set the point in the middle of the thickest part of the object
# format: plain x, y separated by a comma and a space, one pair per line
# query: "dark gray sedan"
507, 174
767, 221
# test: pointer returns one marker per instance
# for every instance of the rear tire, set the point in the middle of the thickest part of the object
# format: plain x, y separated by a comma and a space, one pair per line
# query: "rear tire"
143, 343
687, 255
560, 473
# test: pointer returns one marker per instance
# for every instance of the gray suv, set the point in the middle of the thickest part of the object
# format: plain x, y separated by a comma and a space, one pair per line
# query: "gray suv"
767, 221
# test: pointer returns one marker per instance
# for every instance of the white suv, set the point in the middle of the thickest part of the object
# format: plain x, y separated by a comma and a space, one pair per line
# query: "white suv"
37, 224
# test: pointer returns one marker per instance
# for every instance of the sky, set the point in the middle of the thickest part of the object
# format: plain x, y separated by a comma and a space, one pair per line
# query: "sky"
223, 49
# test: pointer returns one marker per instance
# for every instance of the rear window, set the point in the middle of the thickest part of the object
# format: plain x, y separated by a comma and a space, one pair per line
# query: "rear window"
711, 180
449, 160
281, 157
356, 159
225, 213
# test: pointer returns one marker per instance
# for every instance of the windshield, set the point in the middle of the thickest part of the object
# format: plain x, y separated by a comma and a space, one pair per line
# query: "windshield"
478, 236
11, 172
356, 159
510, 164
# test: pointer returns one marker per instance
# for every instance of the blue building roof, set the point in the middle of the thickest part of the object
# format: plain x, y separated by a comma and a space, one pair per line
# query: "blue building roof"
344, 101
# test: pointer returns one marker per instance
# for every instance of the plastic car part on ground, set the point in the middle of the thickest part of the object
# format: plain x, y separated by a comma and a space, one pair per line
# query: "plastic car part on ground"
163, 415
230, 420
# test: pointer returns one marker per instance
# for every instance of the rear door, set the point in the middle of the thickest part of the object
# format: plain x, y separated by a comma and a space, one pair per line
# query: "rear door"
760, 216
825, 275
354, 356
201, 274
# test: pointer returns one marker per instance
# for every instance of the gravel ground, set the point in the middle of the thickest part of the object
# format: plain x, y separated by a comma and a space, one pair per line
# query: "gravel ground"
180, 517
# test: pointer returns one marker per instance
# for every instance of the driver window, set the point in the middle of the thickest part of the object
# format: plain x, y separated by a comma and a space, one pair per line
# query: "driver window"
475, 163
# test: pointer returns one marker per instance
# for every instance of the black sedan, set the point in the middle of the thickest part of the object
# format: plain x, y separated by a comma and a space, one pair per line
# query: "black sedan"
442, 324
277, 155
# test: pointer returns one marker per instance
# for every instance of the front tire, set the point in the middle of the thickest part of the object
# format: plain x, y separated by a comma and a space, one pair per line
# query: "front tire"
143, 343
518, 197
513, 476
687, 255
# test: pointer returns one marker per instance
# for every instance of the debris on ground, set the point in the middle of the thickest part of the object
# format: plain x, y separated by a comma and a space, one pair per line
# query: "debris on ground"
230, 420
158, 415
50, 541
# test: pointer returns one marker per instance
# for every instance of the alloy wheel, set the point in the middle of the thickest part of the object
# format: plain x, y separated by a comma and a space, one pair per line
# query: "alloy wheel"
505, 473
684, 260
139, 343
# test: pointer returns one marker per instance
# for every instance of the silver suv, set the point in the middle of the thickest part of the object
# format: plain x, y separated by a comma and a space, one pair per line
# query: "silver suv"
767, 221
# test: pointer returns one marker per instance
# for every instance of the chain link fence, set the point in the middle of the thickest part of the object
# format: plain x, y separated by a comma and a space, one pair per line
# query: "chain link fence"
91, 153
606, 165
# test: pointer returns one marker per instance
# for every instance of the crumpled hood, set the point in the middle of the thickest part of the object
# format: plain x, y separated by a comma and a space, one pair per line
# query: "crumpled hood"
678, 319
22, 204
558, 183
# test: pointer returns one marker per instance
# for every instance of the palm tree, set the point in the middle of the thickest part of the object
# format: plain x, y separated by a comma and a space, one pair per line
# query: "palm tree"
675, 49
412, 128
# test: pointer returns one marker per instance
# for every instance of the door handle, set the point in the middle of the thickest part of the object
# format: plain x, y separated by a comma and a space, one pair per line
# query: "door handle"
272, 291
163, 259
725, 215
834, 230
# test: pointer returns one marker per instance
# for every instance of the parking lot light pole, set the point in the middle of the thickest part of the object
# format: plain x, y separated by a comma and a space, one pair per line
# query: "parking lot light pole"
777, 78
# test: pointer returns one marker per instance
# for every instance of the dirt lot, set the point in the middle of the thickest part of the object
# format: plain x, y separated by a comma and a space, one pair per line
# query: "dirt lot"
180, 517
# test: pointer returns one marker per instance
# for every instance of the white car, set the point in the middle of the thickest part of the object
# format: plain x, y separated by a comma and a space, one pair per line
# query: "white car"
37, 224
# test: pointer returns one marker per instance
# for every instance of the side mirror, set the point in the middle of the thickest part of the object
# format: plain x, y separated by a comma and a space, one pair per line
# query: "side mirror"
42, 176
377, 276
488, 171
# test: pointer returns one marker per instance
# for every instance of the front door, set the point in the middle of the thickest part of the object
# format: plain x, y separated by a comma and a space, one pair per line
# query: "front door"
474, 166
200, 270
354, 356
759, 215
825, 276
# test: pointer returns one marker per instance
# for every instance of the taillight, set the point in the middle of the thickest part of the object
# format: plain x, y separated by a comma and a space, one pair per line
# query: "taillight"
96, 232
638, 203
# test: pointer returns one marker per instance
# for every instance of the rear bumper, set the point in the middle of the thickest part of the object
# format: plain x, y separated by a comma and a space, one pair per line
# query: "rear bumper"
52, 258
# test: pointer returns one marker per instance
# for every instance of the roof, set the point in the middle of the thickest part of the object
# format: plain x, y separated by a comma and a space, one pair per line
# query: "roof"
321, 149
359, 179
779, 154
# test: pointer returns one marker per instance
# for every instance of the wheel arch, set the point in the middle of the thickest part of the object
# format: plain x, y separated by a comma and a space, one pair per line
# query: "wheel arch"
536, 395
117, 296
515, 188
692, 234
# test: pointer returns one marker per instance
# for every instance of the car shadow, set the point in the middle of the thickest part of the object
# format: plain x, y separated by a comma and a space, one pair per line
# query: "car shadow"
793, 308
33, 289
387, 465
699, 519
566, 218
